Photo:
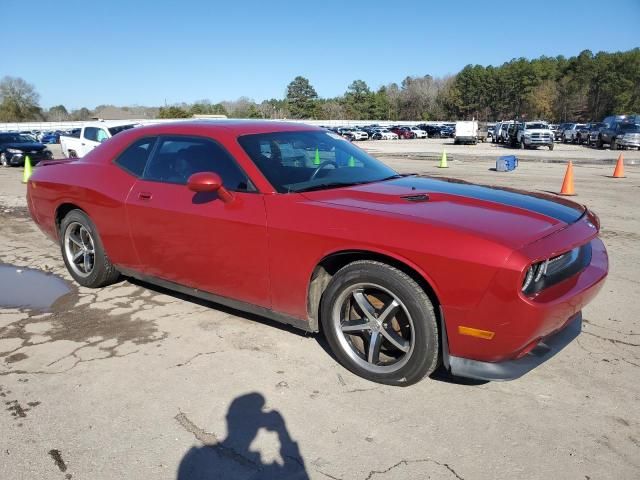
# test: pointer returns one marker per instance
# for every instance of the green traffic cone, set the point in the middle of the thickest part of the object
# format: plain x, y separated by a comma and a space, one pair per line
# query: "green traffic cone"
443, 160
27, 169
316, 160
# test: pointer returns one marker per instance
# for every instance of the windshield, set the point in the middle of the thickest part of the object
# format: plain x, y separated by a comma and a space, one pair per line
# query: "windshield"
297, 161
121, 128
14, 138
537, 126
629, 127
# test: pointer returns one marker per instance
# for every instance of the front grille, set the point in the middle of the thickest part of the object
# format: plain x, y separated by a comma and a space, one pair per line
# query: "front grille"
36, 154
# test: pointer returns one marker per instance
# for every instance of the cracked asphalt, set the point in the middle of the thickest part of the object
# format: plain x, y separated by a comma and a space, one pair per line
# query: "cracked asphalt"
136, 382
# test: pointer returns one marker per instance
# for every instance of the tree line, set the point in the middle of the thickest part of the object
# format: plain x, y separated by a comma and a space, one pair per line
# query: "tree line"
582, 88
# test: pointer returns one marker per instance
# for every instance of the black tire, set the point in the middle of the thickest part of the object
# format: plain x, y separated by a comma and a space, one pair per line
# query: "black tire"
551, 146
73, 154
522, 145
103, 272
564, 139
3, 160
613, 145
599, 142
415, 319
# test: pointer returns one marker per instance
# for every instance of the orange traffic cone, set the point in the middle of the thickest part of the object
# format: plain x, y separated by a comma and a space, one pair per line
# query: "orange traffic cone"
619, 171
567, 184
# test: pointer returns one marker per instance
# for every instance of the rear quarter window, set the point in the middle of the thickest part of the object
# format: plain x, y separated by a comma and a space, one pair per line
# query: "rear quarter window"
134, 159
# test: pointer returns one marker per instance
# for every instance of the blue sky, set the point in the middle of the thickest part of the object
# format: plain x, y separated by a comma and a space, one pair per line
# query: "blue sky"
144, 52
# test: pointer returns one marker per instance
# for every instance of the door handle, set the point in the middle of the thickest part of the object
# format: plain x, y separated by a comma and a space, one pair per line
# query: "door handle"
144, 196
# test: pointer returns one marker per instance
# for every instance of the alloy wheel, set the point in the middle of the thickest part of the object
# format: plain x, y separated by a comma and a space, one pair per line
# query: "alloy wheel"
373, 327
79, 249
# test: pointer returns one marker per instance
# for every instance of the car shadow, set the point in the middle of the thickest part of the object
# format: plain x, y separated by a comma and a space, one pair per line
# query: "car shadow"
217, 306
232, 458
441, 374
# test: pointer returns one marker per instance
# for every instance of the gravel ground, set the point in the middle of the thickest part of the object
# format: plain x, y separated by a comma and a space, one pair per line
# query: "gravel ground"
134, 382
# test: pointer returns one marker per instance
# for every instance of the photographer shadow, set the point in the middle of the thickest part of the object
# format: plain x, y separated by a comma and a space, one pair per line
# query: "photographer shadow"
231, 458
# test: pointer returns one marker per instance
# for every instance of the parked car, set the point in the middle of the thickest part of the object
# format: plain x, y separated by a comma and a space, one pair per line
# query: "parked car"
594, 131
82, 141
384, 134
630, 138
448, 131
433, 131
502, 131
418, 132
403, 132
15, 147
50, 137
488, 282
618, 131
571, 132
534, 134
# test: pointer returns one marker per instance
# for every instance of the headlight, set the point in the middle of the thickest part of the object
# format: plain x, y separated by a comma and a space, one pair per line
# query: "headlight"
13, 150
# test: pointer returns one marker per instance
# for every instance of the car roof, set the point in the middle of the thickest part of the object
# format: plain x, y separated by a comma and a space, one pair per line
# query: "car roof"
235, 127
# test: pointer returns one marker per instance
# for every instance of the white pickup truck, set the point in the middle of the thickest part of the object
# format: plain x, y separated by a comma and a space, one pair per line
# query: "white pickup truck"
534, 134
85, 139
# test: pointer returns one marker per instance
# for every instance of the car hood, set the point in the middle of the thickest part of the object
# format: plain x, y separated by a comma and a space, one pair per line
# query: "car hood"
25, 147
507, 216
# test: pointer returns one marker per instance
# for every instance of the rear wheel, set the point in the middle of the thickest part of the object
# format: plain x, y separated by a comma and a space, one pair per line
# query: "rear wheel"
83, 252
614, 144
380, 324
551, 146
3, 160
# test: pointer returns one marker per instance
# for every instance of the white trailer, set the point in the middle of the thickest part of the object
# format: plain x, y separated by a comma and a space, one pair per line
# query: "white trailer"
466, 132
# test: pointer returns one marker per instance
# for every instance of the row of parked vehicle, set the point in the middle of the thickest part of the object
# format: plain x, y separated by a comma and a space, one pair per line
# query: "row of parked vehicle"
616, 131
46, 137
395, 132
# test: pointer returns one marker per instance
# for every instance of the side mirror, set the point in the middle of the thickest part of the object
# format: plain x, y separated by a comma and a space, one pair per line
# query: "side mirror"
204, 182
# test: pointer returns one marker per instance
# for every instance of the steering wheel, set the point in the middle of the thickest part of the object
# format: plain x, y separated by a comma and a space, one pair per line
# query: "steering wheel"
321, 166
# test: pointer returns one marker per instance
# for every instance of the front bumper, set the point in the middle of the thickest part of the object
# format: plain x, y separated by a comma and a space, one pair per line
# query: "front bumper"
17, 159
512, 369
628, 143
538, 141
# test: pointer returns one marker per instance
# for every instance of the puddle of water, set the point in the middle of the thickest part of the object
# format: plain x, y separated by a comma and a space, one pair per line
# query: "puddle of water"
29, 288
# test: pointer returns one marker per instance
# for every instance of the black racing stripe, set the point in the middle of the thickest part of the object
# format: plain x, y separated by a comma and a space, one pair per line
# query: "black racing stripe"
564, 211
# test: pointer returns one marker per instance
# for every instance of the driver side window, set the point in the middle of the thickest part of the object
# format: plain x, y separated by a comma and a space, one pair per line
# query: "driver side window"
177, 158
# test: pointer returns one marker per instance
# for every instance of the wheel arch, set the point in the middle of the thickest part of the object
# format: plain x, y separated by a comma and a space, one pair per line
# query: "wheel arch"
327, 267
62, 210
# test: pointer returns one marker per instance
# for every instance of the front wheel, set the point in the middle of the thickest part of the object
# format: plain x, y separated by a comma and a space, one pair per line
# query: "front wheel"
83, 252
614, 144
380, 324
522, 145
551, 146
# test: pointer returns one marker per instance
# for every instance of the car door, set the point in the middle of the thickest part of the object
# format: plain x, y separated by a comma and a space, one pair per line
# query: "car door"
197, 239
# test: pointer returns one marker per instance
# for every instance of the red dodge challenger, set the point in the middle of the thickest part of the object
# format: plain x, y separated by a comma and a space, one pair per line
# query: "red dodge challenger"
402, 273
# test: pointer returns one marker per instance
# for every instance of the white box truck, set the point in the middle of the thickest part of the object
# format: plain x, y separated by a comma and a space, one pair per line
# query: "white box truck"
466, 132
